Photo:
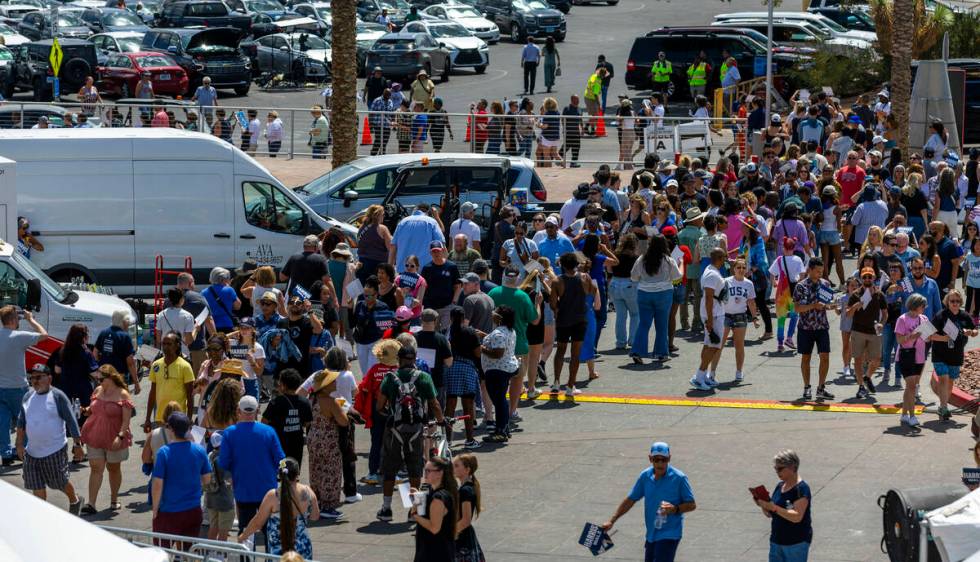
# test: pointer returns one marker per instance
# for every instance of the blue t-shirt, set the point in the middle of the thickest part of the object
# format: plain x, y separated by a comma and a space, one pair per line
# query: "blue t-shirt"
115, 345
420, 125
221, 312
674, 488
180, 466
973, 271
251, 452
784, 532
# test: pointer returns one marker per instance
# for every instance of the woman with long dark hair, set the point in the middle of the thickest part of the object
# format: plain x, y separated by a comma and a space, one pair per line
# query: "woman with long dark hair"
753, 249
373, 242
470, 505
387, 291
938, 139
435, 536
75, 369
284, 514
499, 365
622, 289
655, 273
828, 237
930, 255
552, 62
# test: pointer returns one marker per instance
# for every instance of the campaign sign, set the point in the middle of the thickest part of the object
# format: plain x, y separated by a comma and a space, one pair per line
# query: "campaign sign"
971, 476
238, 351
825, 294
301, 292
595, 538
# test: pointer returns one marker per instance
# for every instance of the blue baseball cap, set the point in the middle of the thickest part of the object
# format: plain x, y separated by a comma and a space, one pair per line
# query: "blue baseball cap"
660, 449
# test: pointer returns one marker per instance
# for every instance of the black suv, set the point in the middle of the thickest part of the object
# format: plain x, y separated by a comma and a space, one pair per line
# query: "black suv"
524, 18
31, 69
210, 52
682, 45
204, 14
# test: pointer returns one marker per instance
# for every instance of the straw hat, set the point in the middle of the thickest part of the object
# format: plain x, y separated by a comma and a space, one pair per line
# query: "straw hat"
387, 352
232, 367
323, 379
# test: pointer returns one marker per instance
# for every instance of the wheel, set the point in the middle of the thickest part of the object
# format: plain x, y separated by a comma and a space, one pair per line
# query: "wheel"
480, 69
242, 90
446, 70
299, 73
40, 90
124, 90
515, 34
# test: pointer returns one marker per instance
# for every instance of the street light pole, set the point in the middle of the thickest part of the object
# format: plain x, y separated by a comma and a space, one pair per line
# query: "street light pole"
769, 61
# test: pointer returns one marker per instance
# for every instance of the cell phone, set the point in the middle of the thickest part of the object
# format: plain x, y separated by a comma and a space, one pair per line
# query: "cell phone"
713, 337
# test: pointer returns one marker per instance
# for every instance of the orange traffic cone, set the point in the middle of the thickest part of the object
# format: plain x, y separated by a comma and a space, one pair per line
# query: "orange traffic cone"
467, 139
600, 128
366, 133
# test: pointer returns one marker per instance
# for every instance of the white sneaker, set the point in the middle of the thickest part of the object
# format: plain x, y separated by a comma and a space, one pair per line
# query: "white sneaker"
710, 380
739, 376
353, 499
905, 419
698, 384
913, 421
555, 388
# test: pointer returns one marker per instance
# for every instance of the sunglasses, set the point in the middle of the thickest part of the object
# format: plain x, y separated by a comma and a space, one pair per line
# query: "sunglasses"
538, 220
267, 304
409, 265
660, 460
35, 378
955, 301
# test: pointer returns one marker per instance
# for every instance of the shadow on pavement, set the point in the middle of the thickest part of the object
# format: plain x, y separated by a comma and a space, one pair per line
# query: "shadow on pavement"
939, 426
382, 528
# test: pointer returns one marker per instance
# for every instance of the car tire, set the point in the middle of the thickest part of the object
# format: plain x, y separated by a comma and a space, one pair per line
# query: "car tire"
76, 70
515, 34
242, 90
480, 69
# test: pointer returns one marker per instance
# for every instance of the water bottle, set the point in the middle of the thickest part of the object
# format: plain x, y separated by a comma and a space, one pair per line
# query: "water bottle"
76, 407
661, 519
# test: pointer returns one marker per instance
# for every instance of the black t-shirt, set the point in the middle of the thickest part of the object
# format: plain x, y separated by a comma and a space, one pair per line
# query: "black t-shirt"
467, 537
437, 342
305, 269
784, 532
864, 319
441, 280
194, 303
941, 351
465, 343
948, 251
301, 332
571, 112
915, 204
288, 415
625, 265
697, 200
430, 547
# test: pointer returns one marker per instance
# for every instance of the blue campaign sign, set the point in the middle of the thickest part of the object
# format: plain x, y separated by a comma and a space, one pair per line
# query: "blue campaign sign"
595, 538
759, 67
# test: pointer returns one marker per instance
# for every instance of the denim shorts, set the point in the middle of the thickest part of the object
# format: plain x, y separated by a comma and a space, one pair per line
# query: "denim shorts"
739, 320
549, 316
828, 237
944, 370
680, 293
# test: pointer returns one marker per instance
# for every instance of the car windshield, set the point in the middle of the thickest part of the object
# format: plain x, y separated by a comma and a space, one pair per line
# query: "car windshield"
154, 61
325, 13
336, 176
263, 6
395, 4
463, 12
451, 30
394, 45
6, 29
32, 271
5, 54
369, 27
121, 19
312, 42
205, 48
69, 19
530, 4
129, 44
825, 22
818, 31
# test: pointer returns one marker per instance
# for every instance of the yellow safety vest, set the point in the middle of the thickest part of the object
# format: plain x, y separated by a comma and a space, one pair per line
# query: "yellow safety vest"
661, 71
593, 88
724, 70
696, 75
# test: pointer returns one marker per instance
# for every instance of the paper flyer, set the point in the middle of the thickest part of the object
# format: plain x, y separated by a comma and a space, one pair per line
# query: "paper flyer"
427, 355
147, 353
404, 492
865, 298
201, 318
825, 294
925, 330
951, 329
354, 289
595, 538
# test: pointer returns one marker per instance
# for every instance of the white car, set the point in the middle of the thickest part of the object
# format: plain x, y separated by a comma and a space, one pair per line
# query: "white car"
10, 36
818, 20
11, 13
468, 17
465, 49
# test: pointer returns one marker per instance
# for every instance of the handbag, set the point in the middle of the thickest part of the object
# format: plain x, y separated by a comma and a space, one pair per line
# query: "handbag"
558, 71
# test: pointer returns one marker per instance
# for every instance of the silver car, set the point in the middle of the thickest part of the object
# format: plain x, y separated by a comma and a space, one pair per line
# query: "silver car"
302, 55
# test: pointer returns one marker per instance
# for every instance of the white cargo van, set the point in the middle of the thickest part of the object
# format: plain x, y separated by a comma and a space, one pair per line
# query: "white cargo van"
106, 202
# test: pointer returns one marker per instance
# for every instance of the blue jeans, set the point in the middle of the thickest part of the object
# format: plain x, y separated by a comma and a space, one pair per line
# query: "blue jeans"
655, 311
789, 552
497, 382
10, 404
605, 91
663, 550
622, 291
888, 344
601, 314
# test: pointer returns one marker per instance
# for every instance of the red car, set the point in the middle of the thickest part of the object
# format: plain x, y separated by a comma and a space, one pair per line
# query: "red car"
122, 72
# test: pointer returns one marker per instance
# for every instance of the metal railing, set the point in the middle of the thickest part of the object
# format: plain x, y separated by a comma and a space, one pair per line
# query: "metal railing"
579, 140
194, 549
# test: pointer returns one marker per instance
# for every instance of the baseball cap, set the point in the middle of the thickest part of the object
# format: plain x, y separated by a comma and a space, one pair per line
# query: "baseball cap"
471, 278
688, 177
180, 424
40, 368
671, 183
268, 296
403, 313
776, 118
867, 271
853, 118
877, 139
467, 207
551, 220
248, 404
582, 191
751, 168
437, 244
668, 231
512, 272
660, 449
895, 190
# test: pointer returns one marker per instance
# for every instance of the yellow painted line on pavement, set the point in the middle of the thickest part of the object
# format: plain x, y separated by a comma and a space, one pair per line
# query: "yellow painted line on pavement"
726, 403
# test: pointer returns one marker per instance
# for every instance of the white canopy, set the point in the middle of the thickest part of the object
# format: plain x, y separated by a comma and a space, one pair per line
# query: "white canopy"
36, 530
956, 528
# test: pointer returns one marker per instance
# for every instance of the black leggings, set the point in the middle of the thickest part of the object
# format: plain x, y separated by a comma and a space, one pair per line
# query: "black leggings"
760, 303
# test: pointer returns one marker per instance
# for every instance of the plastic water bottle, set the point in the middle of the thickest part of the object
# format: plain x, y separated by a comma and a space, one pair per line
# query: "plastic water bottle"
76, 407
661, 519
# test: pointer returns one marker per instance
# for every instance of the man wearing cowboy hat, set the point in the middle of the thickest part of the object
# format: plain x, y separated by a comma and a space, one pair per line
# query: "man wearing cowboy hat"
422, 90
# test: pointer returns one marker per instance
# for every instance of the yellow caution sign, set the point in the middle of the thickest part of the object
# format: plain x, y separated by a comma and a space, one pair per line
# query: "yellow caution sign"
55, 57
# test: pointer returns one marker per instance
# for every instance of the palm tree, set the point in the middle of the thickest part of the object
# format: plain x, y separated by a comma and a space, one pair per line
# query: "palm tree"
343, 122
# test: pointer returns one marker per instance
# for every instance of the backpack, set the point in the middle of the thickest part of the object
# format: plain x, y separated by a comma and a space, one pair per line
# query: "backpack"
408, 408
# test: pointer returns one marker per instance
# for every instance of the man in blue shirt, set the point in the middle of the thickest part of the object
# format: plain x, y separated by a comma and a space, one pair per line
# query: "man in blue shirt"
925, 287
115, 347
251, 452
553, 246
667, 497
530, 56
412, 238
950, 256
180, 472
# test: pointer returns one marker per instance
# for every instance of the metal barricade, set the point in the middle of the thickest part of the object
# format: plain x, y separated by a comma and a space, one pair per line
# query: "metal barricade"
198, 549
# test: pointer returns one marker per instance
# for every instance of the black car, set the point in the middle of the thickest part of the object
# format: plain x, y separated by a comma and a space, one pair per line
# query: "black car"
197, 13
524, 18
210, 52
858, 20
564, 6
609, 2
681, 45
403, 55
38, 25
31, 69
101, 20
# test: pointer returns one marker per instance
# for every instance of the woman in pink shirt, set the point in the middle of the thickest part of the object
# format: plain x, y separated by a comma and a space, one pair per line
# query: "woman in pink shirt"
733, 231
911, 353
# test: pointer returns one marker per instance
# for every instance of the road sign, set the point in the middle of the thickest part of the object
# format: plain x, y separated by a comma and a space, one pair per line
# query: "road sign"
55, 57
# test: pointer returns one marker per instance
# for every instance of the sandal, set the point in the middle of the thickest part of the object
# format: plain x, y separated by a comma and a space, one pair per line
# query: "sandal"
89, 509
115, 506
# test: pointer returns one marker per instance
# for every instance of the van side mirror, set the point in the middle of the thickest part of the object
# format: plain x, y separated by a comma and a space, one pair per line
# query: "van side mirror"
349, 197
33, 295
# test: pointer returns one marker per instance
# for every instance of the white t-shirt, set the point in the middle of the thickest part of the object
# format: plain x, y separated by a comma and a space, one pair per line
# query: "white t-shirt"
176, 320
467, 227
570, 210
501, 338
739, 295
711, 279
254, 128
257, 353
346, 385
794, 265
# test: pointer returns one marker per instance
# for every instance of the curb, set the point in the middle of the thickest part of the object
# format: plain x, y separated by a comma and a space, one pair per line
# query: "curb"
959, 397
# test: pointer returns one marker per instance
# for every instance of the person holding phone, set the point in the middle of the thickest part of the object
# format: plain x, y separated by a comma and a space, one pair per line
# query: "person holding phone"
789, 510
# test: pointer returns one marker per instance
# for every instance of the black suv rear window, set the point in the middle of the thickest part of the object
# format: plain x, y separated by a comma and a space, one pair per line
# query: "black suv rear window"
207, 9
394, 45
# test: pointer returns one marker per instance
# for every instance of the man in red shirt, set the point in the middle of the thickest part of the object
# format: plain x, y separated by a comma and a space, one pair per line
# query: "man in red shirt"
481, 125
851, 180
160, 118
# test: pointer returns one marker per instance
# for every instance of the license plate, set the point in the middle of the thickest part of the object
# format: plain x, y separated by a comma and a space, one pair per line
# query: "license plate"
163, 77
549, 29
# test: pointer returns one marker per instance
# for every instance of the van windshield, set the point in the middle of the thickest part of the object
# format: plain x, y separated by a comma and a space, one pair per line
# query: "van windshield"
324, 183
30, 270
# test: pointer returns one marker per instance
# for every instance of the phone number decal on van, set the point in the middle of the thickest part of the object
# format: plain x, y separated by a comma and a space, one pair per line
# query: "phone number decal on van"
83, 319
263, 255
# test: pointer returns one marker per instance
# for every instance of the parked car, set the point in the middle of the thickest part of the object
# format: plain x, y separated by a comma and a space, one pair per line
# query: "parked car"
270, 8
525, 18
367, 34
465, 49
114, 42
369, 10
13, 13
25, 117
10, 36
563, 6
121, 73
38, 25
39, 4
101, 20
147, 13
857, 20
6, 71
403, 55
319, 11
468, 17
207, 13
580, 2
682, 45
31, 66
816, 19
371, 178
210, 52
304, 56
801, 34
